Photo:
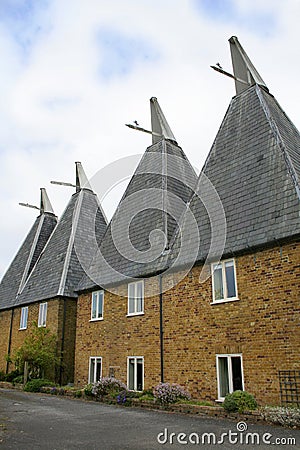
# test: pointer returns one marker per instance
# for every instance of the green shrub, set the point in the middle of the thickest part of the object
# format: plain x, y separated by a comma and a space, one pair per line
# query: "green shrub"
2, 376
18, 380
196, 402
78, 394
36, 385
11, 376
239, 401
88, 390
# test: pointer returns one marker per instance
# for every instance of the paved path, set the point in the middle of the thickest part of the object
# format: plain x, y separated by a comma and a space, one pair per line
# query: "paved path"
36, 421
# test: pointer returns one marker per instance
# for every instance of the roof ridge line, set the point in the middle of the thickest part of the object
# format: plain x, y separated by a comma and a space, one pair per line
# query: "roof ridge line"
70, 244
279, 140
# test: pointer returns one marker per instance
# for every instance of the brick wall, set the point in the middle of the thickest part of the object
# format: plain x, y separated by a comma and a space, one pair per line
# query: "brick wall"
117, 336
5, 318
55, 319
263, 325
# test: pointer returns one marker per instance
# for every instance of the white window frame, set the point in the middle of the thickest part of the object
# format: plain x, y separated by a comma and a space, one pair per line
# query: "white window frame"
229, 365
223, 265
42, 314
135, 373
24, 318
135, 312
97, 293
95, 358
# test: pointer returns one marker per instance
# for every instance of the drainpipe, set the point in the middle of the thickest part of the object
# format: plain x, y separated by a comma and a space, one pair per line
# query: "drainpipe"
161, 329
9, 339
62, 343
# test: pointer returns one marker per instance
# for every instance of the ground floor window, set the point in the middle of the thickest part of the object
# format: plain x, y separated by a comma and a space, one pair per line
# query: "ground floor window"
135, 373
229, 374
95, 369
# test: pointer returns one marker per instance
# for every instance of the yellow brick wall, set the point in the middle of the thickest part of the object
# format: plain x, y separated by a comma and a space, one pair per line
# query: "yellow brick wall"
5, 318
117, 336
263, 325
55, 314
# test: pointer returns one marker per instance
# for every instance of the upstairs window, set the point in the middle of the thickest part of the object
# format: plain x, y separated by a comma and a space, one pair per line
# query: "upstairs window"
24, 317
136, 298
95, 369
224, 281
42, 315
97, 305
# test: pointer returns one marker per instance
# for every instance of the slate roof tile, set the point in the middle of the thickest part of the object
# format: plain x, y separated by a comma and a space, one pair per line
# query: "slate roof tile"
26, 258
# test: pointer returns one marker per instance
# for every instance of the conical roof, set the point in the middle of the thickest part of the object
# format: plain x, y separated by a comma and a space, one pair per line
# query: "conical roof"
138, 237
25, 259
250, 181
61, 264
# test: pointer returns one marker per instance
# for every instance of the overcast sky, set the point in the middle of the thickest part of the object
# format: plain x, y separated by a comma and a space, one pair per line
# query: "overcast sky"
73, 72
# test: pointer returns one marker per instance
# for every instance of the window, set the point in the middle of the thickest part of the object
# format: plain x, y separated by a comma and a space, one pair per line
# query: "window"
136, 298
135, 373
42, 315
229, 374
224, 281
97, 305
95, 369
24, 317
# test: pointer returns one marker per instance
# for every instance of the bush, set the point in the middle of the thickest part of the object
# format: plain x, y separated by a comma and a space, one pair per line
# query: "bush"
2, 376
11, 376
239, 401
18, 380
39, 351
36, 385
147, 397
166, 393
280, 415
78, 394
88, 390
106, 386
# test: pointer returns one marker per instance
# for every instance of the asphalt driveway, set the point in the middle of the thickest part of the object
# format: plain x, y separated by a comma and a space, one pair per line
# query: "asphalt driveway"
36, 421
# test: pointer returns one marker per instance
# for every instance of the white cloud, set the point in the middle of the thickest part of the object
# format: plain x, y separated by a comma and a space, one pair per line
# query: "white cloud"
56, 108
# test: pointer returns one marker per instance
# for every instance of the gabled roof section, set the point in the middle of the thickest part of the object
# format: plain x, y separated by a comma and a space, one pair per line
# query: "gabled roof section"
138, 237
29, 252
59, 268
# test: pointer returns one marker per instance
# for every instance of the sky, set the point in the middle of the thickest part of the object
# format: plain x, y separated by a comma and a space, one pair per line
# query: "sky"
74, 72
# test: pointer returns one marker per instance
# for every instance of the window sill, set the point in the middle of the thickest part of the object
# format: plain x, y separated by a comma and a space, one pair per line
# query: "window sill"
135, 314
22, 329
220, 400
217, 302
96, 320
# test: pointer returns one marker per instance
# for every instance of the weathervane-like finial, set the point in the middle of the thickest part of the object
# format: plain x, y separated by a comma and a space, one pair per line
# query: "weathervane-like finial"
242, 67
45, 204
82, 181
160, 127
245, 74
